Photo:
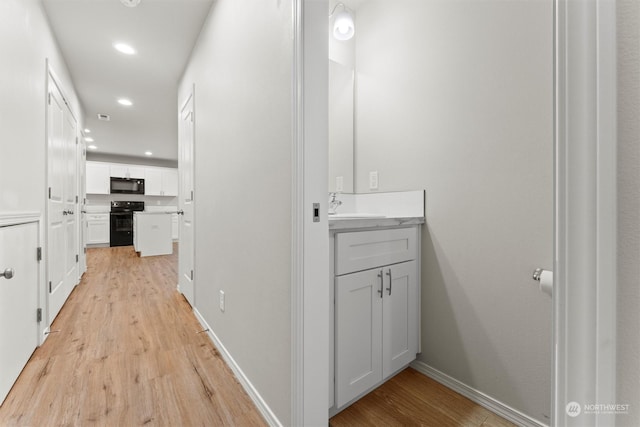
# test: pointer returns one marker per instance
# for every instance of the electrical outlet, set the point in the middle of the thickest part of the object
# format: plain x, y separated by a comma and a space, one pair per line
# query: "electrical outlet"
339, 184
373, 180
222, 301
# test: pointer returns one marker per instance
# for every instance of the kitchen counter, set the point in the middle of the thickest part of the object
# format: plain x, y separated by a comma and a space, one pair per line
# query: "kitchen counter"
152, 233
379, 222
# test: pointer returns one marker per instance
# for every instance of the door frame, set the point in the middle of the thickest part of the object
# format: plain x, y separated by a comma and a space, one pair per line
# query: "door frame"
584, 294
584, 211
310, 240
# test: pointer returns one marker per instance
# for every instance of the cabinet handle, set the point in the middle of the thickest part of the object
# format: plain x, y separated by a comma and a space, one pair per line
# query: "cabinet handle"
390, 280
381, 283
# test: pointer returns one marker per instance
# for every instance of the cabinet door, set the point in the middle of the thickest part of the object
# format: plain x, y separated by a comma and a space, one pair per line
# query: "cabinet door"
175, 227
98, 178
399, 317
119, 171
358, 333
170, 182
136, 172
153, 182
98, 229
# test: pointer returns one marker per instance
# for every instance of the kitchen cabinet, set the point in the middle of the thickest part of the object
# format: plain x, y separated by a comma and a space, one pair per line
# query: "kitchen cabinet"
175, 226
127, 171
161, 182
152, 233
98, 228
98, 178
376, 323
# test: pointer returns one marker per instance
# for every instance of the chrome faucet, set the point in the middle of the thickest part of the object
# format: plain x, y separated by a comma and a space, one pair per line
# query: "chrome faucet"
334, 203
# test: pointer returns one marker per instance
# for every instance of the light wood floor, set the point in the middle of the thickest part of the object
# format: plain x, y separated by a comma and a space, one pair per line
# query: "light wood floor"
413, 399
127, 353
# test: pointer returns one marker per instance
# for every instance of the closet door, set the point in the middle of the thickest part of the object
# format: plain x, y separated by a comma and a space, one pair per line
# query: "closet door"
62, 253
18, 301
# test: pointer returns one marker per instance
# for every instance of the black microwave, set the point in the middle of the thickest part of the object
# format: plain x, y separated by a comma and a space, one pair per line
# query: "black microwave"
127, 185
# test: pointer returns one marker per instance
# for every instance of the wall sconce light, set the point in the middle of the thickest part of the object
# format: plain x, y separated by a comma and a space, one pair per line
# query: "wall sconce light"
343, 25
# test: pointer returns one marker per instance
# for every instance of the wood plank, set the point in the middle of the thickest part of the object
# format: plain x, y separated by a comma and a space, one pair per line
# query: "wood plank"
413, 399
127, 353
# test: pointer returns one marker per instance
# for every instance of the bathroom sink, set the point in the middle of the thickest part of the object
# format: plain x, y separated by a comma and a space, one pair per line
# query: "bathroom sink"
354, 216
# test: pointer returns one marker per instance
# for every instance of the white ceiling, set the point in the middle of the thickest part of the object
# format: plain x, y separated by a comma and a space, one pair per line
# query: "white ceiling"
163, 32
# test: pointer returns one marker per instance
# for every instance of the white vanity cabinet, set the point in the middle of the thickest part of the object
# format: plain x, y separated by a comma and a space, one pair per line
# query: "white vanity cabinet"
376, 294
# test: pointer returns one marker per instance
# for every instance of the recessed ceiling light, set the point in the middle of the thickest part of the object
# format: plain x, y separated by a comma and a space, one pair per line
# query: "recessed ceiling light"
92, 147
125, 102
148, 153
124, 48
88, 139
130, 3
87, 130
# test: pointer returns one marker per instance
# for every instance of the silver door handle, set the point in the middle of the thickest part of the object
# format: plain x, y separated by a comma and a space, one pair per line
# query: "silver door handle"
380, 291
7, 273
180, 212
390, 280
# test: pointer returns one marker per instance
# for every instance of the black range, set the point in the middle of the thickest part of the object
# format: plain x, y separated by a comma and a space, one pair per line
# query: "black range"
122, 222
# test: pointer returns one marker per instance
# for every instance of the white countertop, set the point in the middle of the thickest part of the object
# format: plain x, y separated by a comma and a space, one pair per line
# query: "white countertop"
97, 208
153, 213
356, 223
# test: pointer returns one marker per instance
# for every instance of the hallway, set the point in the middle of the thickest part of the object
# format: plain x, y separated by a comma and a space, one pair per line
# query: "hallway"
125, 350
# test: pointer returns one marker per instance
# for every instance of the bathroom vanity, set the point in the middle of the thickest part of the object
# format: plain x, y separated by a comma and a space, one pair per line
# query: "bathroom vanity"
375, 289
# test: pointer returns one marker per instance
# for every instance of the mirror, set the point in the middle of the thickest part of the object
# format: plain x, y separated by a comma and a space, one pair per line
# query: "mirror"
341, 112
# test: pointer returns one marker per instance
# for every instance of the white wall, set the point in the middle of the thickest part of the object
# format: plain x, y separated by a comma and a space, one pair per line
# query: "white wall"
456, 97
242, 70
628, 333
25, 42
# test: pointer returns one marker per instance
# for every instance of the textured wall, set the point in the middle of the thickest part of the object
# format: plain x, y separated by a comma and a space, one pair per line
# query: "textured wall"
242, 70
456, 98
628, 332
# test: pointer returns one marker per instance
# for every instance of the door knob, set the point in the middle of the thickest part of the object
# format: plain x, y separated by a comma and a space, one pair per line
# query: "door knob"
7, 273
180, 212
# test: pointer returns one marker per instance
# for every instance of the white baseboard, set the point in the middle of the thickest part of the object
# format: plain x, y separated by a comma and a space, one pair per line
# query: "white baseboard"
478, 397
262, 406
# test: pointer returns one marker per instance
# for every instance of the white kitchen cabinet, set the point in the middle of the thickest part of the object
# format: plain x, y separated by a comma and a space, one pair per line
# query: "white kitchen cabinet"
376, 313
175, 226
161, 182
98, 178
127, 171
98, 228
170, 182
152, 233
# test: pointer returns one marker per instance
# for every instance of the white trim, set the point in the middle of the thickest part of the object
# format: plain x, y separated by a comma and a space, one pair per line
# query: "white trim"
17, 218
476, 396
584, 295
310, 240
297, 223
257, 399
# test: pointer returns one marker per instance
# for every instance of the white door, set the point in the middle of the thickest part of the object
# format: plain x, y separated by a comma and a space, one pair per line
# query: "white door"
358, 333
186, 202
61, 208
399, 317
81, 213
18, 301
